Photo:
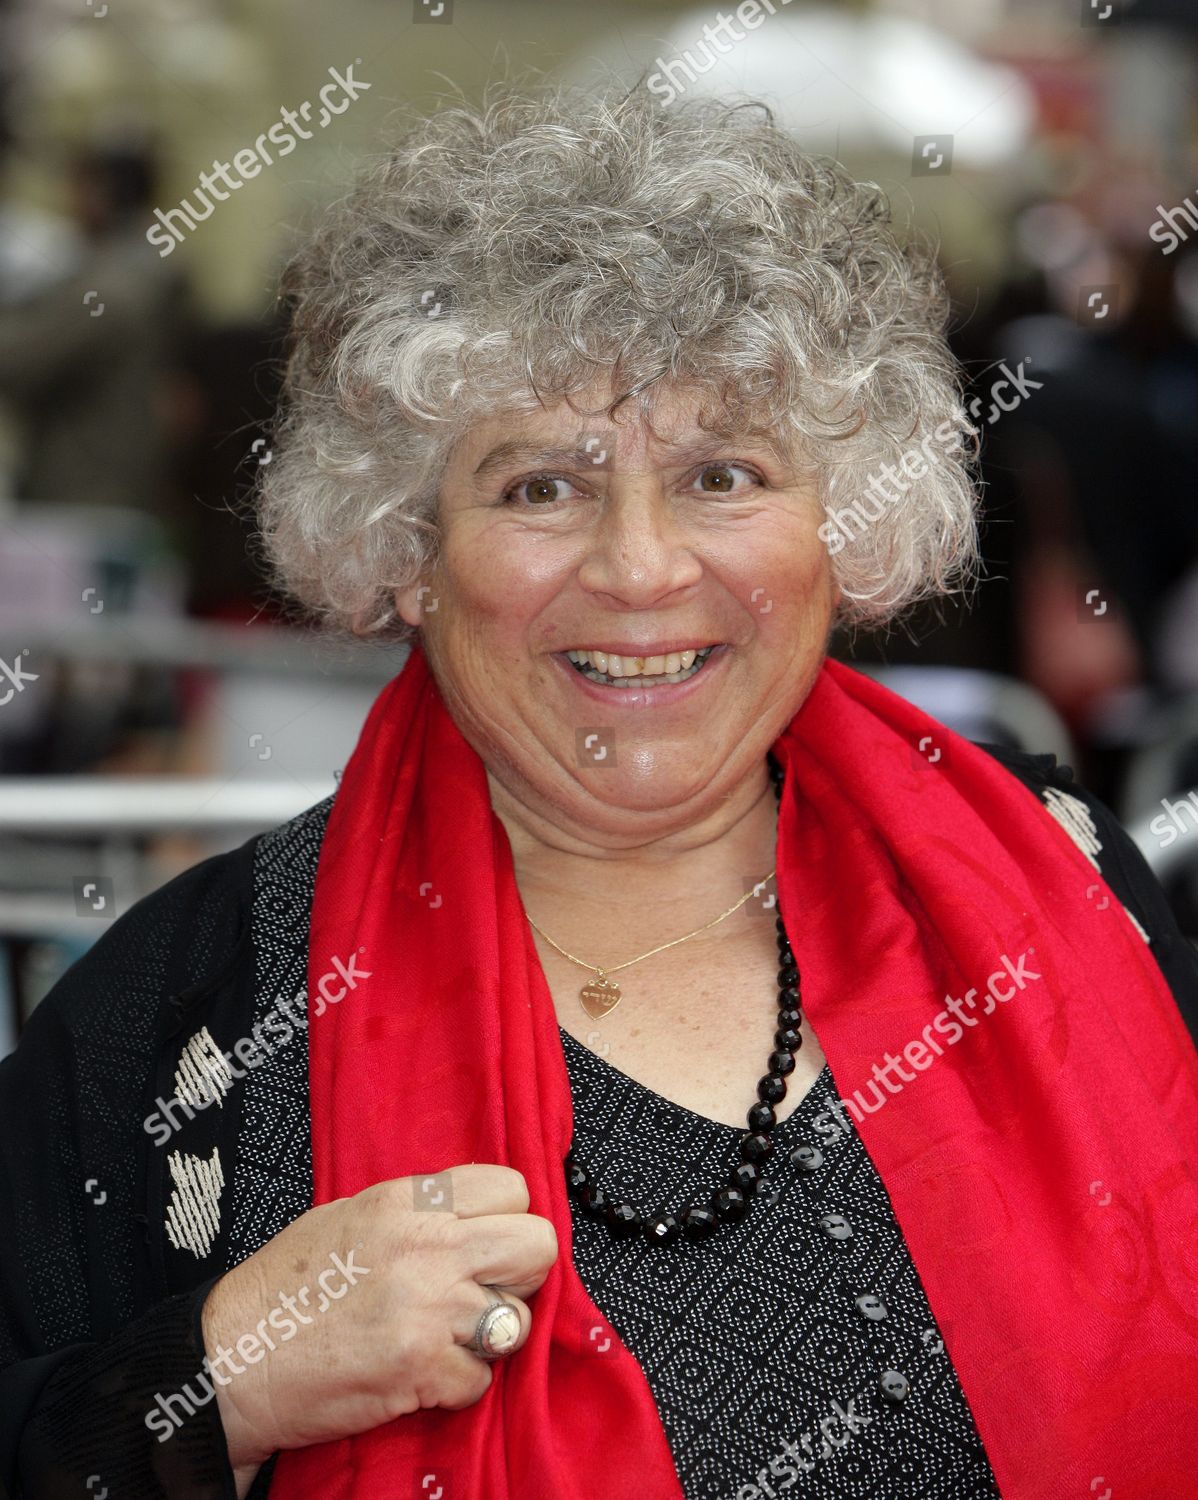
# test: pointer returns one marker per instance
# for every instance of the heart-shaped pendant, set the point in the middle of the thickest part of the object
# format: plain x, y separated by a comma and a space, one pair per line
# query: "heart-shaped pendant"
599, 996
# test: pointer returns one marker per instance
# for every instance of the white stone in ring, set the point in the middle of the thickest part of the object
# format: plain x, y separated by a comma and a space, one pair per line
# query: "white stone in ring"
498, 1331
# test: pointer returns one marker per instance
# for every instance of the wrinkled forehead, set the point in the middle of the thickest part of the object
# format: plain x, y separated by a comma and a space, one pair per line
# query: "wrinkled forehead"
650, 430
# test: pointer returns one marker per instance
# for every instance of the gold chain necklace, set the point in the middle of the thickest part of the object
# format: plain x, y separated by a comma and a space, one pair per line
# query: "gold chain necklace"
600, 996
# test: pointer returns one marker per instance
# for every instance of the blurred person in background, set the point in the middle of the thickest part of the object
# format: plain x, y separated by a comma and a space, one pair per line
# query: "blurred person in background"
1095, 474
225, 394
84, 361
1088, 482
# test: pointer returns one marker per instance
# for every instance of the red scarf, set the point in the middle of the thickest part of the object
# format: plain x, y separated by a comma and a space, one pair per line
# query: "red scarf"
1042, 1169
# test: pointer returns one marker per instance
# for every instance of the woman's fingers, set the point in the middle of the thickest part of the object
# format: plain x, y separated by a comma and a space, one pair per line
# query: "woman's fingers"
513, 1250
435, 1252
472, 1190
502, 1243
465, 1379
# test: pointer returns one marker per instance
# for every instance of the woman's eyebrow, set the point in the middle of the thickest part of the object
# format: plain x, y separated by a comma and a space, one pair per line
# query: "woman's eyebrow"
531, 453
516, 451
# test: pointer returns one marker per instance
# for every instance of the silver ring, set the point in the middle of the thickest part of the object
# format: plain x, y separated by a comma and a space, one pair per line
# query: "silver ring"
498, 1332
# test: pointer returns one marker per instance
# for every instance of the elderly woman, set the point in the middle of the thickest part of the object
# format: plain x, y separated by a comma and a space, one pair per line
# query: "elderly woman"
671, 1064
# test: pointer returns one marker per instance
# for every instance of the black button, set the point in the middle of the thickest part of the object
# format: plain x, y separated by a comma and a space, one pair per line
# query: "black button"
807, 1158
894, 1385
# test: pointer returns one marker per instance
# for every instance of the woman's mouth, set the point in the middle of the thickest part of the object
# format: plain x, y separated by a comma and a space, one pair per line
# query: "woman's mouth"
610, 670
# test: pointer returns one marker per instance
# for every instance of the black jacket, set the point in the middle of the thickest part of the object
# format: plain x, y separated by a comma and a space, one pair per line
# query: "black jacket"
98, 1311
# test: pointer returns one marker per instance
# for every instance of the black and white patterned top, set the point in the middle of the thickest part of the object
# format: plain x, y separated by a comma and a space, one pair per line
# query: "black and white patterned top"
795, 1317
769, 1375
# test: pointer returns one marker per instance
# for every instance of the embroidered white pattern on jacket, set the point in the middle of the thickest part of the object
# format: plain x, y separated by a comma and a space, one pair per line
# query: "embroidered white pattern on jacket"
203, 1073
1074, 817
193, 1214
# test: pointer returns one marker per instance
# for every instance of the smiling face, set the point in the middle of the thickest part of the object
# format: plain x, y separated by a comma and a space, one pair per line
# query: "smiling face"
564, 534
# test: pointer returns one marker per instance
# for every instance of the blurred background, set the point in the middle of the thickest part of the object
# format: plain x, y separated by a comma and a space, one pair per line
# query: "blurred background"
156, 705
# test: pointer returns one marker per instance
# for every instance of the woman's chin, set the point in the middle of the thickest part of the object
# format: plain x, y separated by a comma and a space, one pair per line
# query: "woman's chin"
646, 785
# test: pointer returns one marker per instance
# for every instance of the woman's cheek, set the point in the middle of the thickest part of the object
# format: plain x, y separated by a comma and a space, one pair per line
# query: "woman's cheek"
502, 571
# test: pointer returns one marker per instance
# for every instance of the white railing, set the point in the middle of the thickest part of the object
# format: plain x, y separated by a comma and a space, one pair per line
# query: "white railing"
145, 805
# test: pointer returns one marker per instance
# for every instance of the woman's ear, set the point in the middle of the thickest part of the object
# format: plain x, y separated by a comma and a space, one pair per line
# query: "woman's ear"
412, 602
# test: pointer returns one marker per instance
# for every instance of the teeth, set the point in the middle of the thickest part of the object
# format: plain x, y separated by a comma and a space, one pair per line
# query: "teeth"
629, 671
612, 665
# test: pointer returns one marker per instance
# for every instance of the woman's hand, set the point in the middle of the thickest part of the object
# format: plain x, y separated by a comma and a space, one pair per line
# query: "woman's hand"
361, 1309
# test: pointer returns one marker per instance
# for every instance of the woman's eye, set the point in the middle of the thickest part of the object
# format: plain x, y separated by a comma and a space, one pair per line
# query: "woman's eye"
541, 489
717, 479
548, 489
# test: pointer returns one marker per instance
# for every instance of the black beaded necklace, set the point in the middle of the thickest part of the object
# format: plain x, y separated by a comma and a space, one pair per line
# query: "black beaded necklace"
727, 1205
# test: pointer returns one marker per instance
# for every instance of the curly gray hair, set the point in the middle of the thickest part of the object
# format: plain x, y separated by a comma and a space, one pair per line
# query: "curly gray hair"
557, 232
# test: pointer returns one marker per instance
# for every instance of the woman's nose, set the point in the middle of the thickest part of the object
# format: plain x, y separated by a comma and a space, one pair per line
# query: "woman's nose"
639, 551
